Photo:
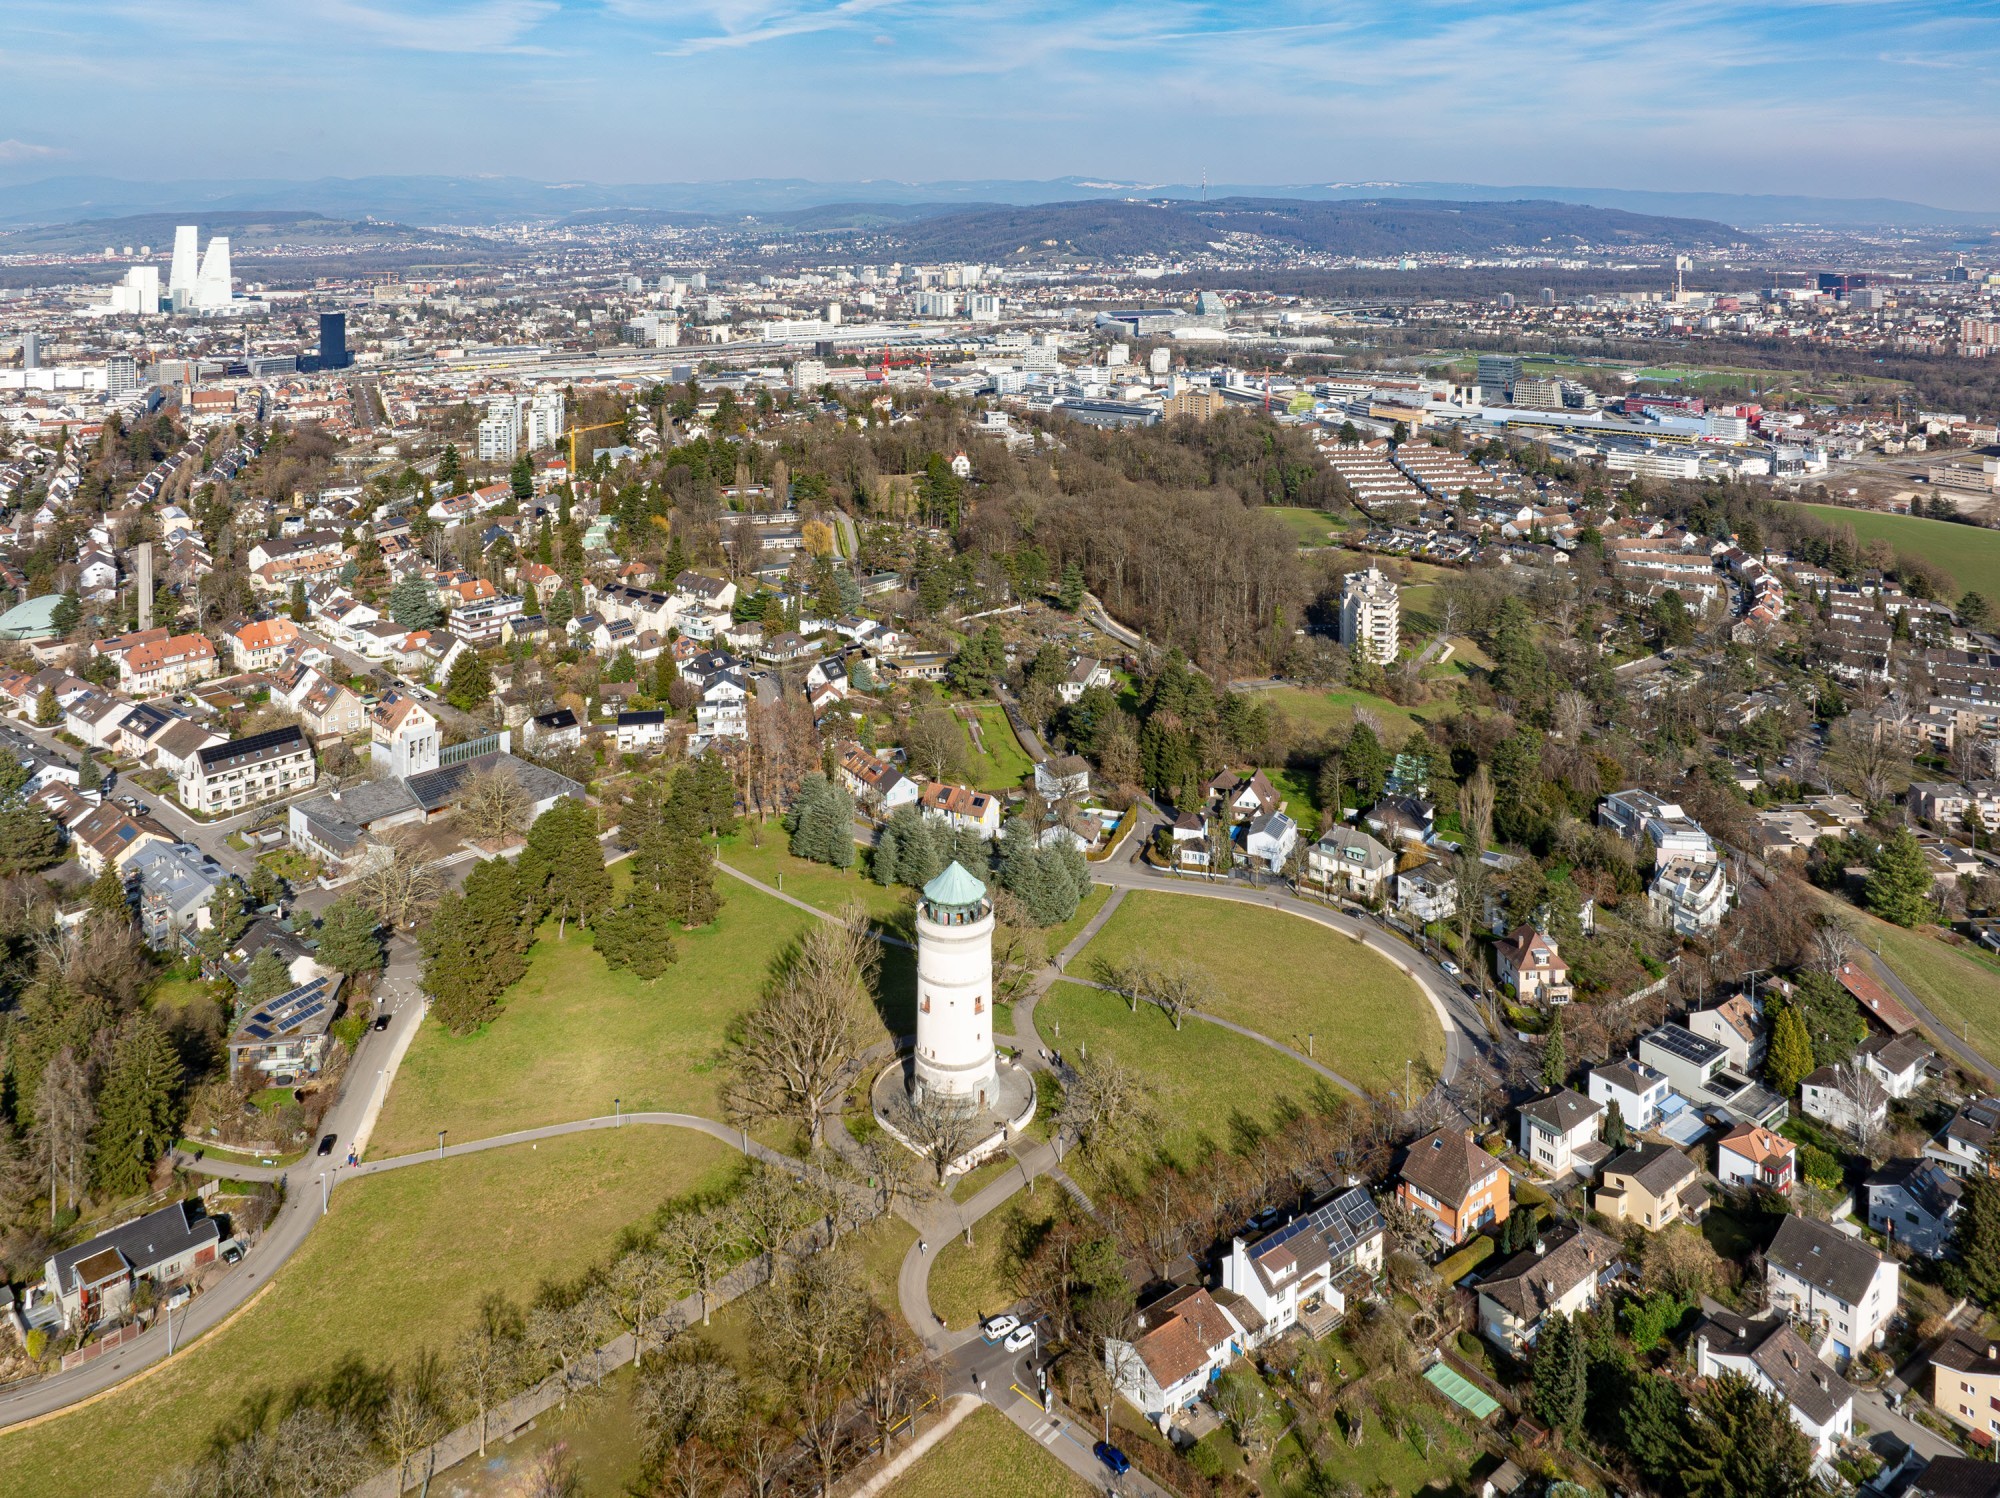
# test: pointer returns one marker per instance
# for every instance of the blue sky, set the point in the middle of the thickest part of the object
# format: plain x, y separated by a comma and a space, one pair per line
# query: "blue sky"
1852, 98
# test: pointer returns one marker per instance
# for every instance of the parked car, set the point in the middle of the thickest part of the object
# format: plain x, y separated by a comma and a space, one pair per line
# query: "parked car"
231, 1251
1020, 1337
326, 1144
1450, 968
1000, 1326
1112, 1457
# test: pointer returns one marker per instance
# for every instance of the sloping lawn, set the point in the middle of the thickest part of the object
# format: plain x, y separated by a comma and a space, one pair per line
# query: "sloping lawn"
1208, 1083
1333, 712
400, 1263
818, 884
1970, 553
1285, 977
1960, 989
989, 1455
1005, 764
574, 1035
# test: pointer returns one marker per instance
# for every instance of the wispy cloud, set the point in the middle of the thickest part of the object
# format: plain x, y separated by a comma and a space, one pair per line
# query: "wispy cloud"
15, 152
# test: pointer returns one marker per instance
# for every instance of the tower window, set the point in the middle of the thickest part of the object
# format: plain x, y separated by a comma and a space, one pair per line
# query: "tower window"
925, 1006
979, 1006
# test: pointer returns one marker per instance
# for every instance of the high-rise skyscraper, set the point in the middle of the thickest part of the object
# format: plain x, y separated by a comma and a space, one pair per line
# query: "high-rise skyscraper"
333, 340
31, 350
121, 375
214, 288
181, 273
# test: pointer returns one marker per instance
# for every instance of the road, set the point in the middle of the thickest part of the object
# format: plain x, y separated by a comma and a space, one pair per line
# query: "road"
369, 1075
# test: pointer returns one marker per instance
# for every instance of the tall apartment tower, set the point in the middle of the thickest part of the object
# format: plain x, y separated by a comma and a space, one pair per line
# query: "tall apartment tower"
954, 1056
121, 375
31, 350
333, 341
1371, 616
184, 268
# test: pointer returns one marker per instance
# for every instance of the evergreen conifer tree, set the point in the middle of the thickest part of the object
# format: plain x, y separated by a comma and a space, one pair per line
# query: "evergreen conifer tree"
463, 993
1559, 1369
139, 1107
637, 935
1976, 1239
89, 773
268, 977
1900, 888
1555, 1057
347, 940
470, 682
412, 605
1069, 591
494, 927
108, 896
1790, 1056
1614, 1126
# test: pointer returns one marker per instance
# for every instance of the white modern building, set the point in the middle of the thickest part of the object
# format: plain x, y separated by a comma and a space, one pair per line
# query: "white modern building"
954, 1053
1371, 616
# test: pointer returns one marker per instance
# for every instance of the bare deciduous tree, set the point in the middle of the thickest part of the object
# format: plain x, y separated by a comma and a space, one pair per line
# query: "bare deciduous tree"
493, 807
400, 887
700, 1243
1105, 1105
799, 1045
1833, 944
64, 1116
642, 1291
940, 1126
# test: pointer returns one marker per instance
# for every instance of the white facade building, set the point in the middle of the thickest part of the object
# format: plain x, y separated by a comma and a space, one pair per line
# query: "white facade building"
1371, 616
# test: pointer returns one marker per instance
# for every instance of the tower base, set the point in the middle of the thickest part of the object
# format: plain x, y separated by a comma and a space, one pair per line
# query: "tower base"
1010, 1108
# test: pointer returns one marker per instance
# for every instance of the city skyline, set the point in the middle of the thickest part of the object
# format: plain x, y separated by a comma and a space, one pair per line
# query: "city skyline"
1830, 99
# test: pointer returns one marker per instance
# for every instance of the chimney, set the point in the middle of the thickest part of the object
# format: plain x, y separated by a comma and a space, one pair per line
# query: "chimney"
1541, 1247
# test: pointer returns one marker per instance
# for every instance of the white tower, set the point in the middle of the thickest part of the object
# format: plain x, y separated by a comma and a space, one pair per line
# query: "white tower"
181, 273
214, 287
955, 990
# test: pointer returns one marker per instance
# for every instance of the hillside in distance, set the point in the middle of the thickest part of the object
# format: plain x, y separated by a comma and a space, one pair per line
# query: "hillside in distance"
1370, 227
251, 231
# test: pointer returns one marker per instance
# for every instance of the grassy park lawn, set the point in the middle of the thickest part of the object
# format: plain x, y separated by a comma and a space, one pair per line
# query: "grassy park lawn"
988, 1454
1333, 712
819, 885
574, 1035
1208, 1083
1285, 977
394, 1268
1970, 553
1310, 527
1062, 935
1005, 764
968, 1284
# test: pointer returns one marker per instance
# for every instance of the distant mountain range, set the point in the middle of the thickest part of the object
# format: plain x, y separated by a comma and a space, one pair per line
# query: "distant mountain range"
475, 200
246, 231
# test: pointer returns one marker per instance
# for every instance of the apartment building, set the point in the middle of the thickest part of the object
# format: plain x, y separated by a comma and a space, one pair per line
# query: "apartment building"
243, 772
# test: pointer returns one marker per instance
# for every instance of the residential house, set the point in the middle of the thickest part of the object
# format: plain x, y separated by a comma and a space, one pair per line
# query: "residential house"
1916, 1203
961, 807
1530, 963
1562, 1273
1851, 1098
263, 645
1956, 1477
1427, 893
93, 1281
1750, 1155
1300, 1274
1881, 1006
288, 1035
1898, 1062
1182, 1342
176, 882
875, 782
1269, 839
642, 732
94, 718
243, 772
1965, 1384
1772, 1356
165, 665
1965, 1144
1560, 1133
550, 731
326, 709
1455, 1183
1836, 1286
105, 835
1241, 797
1401, 819
174, 747
1652, 1186
1699, 1071
1085, 672
1352, 861
1188, 836
1640, 815
1639, 1093
724, 709
1062, 777
1737, 1025
1690, 896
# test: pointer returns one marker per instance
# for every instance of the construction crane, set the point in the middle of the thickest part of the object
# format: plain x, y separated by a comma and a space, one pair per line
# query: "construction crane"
882, 369
574, 432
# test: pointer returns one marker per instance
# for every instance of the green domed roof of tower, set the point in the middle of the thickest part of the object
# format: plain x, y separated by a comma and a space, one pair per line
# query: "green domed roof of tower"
954, 887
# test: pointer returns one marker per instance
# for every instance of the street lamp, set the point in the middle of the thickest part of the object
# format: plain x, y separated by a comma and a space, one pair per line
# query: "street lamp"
618, 1112
441, 1134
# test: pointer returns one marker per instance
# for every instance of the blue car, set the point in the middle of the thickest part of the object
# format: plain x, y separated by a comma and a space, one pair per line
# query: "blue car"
1112, 1457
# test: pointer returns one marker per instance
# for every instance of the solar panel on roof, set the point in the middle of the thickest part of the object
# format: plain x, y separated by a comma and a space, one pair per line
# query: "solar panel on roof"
1685, 1044
257, 1032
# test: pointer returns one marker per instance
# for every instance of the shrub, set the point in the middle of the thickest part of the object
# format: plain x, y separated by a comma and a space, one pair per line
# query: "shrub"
38, 1343
1820, 1168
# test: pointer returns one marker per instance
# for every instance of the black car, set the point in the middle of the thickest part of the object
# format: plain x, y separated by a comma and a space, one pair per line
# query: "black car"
1112, 1457
381, 1021
326, 1144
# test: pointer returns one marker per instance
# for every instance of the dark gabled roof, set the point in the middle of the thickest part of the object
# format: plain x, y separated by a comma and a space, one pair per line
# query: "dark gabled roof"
143, 1242
644, 719
562, 717
1824, 1257
1562, 1110
1927, 1182
1660, 1168
1531, 1281
1782, 1356
274, 744
1957, 1477
1962, 1352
